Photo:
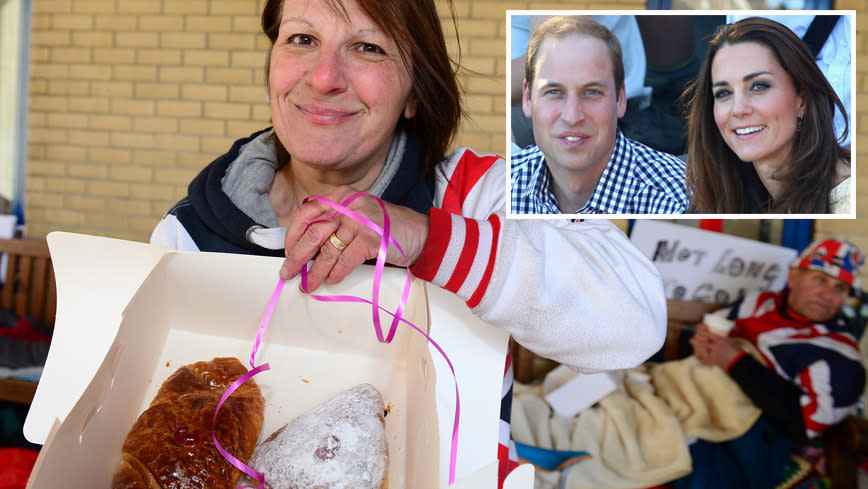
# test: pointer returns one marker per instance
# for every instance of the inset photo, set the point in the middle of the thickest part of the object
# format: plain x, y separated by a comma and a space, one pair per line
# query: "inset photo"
733, 114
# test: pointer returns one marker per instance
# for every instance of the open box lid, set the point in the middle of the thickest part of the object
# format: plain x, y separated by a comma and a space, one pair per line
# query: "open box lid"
97, 277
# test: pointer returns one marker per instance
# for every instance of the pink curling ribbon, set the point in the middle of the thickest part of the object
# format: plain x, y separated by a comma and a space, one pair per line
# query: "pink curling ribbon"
375, 308
387, 238
374, 302
228, 456
244, 378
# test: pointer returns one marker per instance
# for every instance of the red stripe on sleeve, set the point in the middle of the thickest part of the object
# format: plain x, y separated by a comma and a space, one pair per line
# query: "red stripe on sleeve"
486, 277
735, 360
471, 167
439, 232
465, 260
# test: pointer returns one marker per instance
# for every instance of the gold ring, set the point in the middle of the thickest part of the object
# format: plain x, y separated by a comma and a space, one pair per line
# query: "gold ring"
340, 245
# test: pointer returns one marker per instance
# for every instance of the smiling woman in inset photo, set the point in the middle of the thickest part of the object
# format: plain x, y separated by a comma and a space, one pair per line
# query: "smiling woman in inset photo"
760, 128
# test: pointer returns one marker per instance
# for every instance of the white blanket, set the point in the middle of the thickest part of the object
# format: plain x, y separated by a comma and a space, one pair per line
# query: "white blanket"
638, 435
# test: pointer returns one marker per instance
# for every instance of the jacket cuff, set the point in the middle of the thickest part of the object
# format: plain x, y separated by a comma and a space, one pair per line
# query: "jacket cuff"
735, 360
459, 254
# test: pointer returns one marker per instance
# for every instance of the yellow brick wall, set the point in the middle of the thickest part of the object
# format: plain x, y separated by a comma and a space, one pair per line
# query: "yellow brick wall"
129, 99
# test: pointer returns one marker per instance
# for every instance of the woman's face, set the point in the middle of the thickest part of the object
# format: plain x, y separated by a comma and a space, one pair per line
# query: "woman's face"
337, 88
756, 106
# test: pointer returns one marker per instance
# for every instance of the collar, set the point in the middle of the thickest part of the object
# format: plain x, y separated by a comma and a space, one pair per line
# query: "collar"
541, 186
616, 177
616, 174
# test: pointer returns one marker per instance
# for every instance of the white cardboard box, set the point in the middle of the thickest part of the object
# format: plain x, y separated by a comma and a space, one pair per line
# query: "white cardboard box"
129, 314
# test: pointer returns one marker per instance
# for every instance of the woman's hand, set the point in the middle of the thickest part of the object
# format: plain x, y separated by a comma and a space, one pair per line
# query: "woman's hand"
331, 264
712, 349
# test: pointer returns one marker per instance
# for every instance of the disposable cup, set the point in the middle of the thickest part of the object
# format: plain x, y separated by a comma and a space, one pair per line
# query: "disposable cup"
717, 324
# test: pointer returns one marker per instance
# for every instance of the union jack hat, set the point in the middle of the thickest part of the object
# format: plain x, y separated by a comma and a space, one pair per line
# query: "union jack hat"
836, 257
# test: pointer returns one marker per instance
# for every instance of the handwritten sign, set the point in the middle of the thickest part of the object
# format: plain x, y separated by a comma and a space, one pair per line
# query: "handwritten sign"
705, 266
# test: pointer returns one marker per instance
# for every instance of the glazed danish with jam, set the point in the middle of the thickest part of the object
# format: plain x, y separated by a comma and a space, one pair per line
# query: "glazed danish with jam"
170, 444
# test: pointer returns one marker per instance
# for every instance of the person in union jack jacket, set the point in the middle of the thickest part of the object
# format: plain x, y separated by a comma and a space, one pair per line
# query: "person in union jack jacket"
794, 354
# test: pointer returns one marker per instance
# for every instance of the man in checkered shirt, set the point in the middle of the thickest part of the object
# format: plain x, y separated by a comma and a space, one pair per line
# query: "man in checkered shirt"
581, 163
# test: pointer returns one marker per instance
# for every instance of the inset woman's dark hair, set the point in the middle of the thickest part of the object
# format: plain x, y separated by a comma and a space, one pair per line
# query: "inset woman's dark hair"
717, 180
415, 27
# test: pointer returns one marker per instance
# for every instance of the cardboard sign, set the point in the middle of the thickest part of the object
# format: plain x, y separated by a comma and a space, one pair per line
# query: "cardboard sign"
706, 266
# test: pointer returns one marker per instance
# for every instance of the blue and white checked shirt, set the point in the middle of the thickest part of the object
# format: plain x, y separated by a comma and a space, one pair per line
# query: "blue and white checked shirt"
637, 180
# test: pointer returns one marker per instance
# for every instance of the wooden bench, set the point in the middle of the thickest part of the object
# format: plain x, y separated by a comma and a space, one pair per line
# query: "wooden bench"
845, 443
27, 289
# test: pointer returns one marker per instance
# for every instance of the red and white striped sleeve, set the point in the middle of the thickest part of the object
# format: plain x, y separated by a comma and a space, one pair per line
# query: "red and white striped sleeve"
459, 254
463, 238
576, 292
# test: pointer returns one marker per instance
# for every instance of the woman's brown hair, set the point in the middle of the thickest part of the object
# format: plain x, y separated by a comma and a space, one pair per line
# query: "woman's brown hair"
415, 27
717, 180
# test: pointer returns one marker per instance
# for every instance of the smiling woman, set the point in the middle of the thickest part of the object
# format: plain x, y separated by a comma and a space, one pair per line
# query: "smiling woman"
365, 101
385, 37
761, 133
362, 64
756, 107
